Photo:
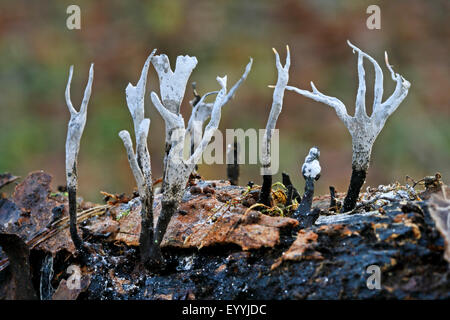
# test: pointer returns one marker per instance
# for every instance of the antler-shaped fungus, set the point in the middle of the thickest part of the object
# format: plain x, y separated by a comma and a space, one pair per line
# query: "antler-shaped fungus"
277, 105
74, 132
172, 86
201, 110
140, 162
363, 129
177, 169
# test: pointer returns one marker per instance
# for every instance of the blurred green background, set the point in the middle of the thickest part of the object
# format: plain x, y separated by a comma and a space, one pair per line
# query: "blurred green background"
36, 50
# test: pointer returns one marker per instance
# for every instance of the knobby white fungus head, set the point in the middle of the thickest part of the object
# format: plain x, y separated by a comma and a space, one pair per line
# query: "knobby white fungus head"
76, 127
311, 167
364, 129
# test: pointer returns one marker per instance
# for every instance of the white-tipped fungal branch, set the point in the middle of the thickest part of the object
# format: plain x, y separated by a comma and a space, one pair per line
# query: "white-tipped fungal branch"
277, 105
364, 129
172, 86
74, 132
139, 161
178, 169
201, 110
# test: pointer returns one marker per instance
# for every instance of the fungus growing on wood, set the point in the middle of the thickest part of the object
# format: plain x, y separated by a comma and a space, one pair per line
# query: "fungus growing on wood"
364, 129
74, 132
172, 86
292, 193
311, 172
232, 163
177, 169
140, 162
277, 105
201, 110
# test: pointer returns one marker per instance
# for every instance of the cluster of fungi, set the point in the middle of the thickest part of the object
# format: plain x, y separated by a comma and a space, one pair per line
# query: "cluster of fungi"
176, 172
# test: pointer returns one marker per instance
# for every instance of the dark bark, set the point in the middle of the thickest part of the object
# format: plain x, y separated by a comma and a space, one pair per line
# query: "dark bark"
19, 258
266, 189
233, 168
309, 219
77, 241
356, 182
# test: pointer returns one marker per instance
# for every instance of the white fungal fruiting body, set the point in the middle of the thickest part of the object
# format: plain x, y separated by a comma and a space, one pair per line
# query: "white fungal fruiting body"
76, 127
74, 132
173, 83
275, 110
140, 160
364, 129
311, 168
135, 96
202, 110
177, 168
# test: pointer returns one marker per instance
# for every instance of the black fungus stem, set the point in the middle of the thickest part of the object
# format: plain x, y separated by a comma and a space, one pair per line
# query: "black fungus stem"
305, 206
233, 168
333, 202
265, 196
168, 208
146, 236
356, 182
73, 220
293, 194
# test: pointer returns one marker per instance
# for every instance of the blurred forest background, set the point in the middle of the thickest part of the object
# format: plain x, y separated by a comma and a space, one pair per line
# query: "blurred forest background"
36, 50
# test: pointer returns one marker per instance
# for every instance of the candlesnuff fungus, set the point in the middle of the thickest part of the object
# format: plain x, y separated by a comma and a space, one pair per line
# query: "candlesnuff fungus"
232, 163
201, 110
140, 163
363, 129
292, 193
277, 105
177, 169
74, 132
172, 86
311, 172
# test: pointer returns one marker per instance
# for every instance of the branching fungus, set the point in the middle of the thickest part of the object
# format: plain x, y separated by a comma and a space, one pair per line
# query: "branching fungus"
277, 105
177, 169
140, 162
363, 129
201, 110
74, 132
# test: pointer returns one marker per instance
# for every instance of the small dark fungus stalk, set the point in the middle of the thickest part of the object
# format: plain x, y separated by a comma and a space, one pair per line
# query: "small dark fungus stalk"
311, 172
292, 193
232, 163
